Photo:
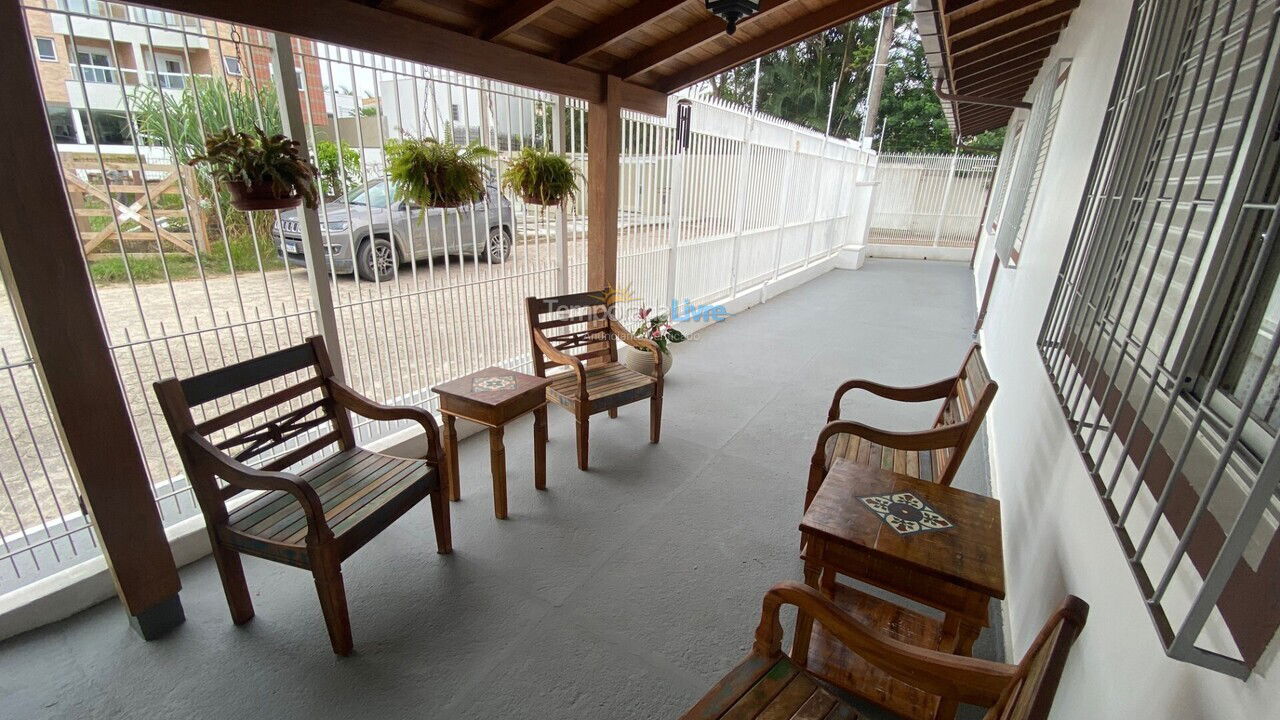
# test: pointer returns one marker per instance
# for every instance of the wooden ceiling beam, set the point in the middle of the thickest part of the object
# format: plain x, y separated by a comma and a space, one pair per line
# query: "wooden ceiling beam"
998, 34
615, 26
685, 41
977, 61
808, 24
1005, 58
1014, 84
514, 16
975, 82
342, 22
957, 24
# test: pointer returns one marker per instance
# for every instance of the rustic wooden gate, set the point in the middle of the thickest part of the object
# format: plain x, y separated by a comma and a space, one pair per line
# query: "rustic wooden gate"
134, 196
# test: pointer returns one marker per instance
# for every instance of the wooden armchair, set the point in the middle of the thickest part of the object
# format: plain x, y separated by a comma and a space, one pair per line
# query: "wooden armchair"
579, 332
934, 454
769, 683
312, 519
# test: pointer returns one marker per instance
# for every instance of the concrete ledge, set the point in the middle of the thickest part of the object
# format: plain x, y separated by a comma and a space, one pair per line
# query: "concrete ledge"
852, 257
914, 252
86, 584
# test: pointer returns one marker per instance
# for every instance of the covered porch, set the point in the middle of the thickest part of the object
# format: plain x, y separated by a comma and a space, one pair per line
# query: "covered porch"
623, 592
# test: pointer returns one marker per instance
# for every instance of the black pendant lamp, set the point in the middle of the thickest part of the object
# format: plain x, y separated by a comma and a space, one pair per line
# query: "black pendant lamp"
732, 11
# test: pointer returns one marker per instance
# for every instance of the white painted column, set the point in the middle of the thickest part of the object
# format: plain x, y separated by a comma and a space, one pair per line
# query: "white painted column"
294, 124
562, 212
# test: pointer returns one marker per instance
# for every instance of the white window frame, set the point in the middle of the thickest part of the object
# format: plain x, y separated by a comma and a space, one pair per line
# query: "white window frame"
226, 66
53, 49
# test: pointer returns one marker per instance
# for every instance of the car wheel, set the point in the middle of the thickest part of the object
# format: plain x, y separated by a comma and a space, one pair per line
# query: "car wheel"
376, 260
498, 250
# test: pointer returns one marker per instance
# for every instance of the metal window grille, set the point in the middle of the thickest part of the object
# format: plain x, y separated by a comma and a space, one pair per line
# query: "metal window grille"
1161, 340
1027, 186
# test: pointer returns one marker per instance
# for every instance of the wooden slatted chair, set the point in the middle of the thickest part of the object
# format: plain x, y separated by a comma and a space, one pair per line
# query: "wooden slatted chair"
770, 684
932, 455
579, 332
312, 519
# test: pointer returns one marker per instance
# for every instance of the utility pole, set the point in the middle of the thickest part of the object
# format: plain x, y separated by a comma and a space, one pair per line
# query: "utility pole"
888, 19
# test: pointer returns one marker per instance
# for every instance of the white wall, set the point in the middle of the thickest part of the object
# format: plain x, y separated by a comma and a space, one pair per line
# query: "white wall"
1057, 539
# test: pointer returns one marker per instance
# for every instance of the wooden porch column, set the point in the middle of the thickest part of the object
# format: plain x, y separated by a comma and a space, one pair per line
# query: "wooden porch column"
604, 149
46, 275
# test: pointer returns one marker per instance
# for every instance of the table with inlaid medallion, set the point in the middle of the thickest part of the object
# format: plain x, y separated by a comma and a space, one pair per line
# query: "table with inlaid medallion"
494, 397
932, 544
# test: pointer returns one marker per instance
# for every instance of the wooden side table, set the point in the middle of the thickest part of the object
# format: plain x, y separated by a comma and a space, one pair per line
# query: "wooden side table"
935, 545
494, 397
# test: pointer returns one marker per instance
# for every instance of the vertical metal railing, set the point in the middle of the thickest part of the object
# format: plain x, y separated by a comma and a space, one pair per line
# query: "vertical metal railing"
936, 200
185, 283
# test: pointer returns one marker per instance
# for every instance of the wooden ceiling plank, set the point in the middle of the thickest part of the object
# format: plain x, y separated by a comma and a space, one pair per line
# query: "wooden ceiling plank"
802, 27
615, 26
515, 16
1001, 13
994, 34
687, 40
1030, 65
342, 22
994, 54
980, 63
1018, 84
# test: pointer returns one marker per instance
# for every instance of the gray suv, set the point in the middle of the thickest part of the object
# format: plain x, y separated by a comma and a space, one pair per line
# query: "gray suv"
376, 235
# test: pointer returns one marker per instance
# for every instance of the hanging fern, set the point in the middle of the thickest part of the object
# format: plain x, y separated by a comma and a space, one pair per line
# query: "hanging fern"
259, 161
437, 174
541, 177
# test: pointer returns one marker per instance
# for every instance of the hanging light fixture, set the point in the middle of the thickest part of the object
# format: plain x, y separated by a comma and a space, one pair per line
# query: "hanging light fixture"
732, 11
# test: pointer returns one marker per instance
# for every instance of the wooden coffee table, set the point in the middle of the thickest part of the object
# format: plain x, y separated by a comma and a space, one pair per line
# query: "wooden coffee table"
929, 543
494, 397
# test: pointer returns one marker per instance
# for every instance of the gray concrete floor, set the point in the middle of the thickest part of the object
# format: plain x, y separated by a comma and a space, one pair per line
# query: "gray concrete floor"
624, 592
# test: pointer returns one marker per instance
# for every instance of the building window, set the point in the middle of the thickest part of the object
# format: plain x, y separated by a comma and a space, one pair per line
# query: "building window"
45, 49
1032, 137
111, 128
231, 65
95, 66
454, 114
62, 124
1035, 169
1161, 340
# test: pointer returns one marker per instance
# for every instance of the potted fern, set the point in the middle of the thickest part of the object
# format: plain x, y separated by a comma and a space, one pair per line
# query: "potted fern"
259, 172
541, 177
657, 329
437, 174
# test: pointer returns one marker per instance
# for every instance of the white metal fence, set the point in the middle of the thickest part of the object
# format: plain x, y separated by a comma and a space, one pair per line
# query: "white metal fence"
751, 198
930, 200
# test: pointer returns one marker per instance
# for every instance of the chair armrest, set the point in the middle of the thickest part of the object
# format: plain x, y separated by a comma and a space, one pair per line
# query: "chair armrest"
964, 679
638, 343
563, 358
934, 439
347, 397
237, 473
917, 393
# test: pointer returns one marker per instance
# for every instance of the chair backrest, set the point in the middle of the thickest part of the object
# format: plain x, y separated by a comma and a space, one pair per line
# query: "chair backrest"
277, 402
576, 324
1030, 694
966, 404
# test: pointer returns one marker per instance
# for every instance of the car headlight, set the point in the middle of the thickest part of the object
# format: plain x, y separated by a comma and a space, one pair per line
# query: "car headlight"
337, 226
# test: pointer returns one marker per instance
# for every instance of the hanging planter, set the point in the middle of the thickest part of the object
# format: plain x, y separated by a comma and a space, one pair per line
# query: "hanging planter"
437, 174
541, 177
259, 172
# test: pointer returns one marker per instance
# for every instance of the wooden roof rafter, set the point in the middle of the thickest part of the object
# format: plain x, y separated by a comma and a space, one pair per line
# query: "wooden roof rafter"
987, 50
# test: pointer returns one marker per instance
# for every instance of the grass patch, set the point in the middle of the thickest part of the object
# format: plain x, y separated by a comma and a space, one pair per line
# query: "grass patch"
180, 266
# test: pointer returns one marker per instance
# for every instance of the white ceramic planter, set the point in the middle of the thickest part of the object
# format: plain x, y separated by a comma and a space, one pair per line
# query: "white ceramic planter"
642, 361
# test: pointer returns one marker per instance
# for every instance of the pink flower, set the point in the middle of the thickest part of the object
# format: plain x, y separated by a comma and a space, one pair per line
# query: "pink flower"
644, 312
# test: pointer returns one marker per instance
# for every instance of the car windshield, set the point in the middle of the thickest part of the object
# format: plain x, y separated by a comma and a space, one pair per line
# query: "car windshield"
376, 196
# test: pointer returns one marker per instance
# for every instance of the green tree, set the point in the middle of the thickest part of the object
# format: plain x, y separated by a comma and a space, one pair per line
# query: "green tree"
797, 81
180, 122
338, 173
